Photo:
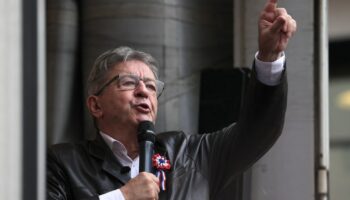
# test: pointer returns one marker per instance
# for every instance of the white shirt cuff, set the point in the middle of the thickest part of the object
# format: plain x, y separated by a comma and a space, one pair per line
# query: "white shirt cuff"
269, 73
113, 195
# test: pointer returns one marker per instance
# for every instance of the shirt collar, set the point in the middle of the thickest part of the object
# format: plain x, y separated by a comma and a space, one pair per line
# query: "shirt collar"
113, 144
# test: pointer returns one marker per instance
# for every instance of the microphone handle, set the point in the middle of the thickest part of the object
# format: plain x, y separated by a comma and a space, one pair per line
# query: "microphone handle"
146, 152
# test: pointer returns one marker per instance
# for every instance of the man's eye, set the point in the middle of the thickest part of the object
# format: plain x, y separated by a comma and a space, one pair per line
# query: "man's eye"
151, 86
128, 83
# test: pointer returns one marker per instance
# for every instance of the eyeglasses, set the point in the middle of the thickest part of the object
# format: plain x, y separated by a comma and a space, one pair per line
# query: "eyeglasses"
130, 82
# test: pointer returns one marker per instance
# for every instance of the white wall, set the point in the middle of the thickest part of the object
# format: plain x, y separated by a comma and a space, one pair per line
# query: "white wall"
10, 101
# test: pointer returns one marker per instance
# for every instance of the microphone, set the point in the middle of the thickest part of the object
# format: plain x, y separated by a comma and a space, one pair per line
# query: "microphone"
146, 138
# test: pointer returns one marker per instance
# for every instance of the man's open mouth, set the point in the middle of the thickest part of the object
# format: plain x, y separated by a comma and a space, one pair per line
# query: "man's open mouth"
143, 107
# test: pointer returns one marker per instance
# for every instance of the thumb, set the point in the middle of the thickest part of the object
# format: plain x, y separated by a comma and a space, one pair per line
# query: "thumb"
278, 25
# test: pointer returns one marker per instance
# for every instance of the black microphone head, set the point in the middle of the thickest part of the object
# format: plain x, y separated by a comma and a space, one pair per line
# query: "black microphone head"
145, 127
146, 131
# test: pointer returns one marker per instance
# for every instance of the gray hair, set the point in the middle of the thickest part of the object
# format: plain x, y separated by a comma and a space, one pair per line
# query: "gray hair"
111, 58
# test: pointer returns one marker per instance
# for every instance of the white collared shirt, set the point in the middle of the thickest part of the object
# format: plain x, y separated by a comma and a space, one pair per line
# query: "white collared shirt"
269, 73
121, 154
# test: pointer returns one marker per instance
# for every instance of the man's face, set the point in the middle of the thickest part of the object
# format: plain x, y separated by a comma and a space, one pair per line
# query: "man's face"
128, 107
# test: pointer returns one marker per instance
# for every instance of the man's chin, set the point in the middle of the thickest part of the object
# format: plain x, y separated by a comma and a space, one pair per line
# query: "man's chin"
144, 118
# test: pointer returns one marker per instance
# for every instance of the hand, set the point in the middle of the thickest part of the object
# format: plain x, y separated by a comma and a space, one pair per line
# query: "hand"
144, 186
276, 27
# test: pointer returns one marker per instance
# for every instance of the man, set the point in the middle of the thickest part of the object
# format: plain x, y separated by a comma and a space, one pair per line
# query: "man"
123, 90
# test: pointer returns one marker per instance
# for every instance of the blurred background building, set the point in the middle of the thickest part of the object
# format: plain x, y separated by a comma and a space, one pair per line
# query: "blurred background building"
339, 98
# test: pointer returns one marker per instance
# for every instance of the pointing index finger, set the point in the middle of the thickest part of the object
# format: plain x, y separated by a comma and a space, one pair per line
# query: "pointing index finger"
273, 1
270, 5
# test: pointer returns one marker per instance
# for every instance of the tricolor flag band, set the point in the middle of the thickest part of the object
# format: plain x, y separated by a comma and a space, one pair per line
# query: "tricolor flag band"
162, 179
161, 164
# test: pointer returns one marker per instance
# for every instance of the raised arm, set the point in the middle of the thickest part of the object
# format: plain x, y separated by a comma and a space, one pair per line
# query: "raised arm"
232, 150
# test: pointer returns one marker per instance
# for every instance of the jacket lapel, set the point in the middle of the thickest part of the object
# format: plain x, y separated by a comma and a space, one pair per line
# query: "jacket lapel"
111, 165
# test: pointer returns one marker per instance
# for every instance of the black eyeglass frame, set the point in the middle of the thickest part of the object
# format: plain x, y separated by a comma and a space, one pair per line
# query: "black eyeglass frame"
116, 77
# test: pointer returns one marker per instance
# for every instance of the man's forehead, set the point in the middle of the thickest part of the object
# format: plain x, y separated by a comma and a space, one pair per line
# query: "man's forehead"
134, 67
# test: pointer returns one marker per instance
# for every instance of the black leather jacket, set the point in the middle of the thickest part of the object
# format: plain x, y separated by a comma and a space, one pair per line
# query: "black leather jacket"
202, 165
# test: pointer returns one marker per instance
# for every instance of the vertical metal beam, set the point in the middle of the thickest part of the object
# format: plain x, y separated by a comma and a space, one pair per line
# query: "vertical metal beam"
322, 119
41, 81
30, 99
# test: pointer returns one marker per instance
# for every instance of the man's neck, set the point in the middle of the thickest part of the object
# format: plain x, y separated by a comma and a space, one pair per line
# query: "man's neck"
127, 136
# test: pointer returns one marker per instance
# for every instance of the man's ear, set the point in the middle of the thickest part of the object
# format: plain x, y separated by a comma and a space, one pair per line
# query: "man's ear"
94, 107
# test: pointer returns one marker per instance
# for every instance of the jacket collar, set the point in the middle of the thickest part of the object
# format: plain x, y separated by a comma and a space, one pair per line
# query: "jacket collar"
99, 149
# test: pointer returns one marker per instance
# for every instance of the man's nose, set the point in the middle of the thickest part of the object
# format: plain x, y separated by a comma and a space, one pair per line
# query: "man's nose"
141, 90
